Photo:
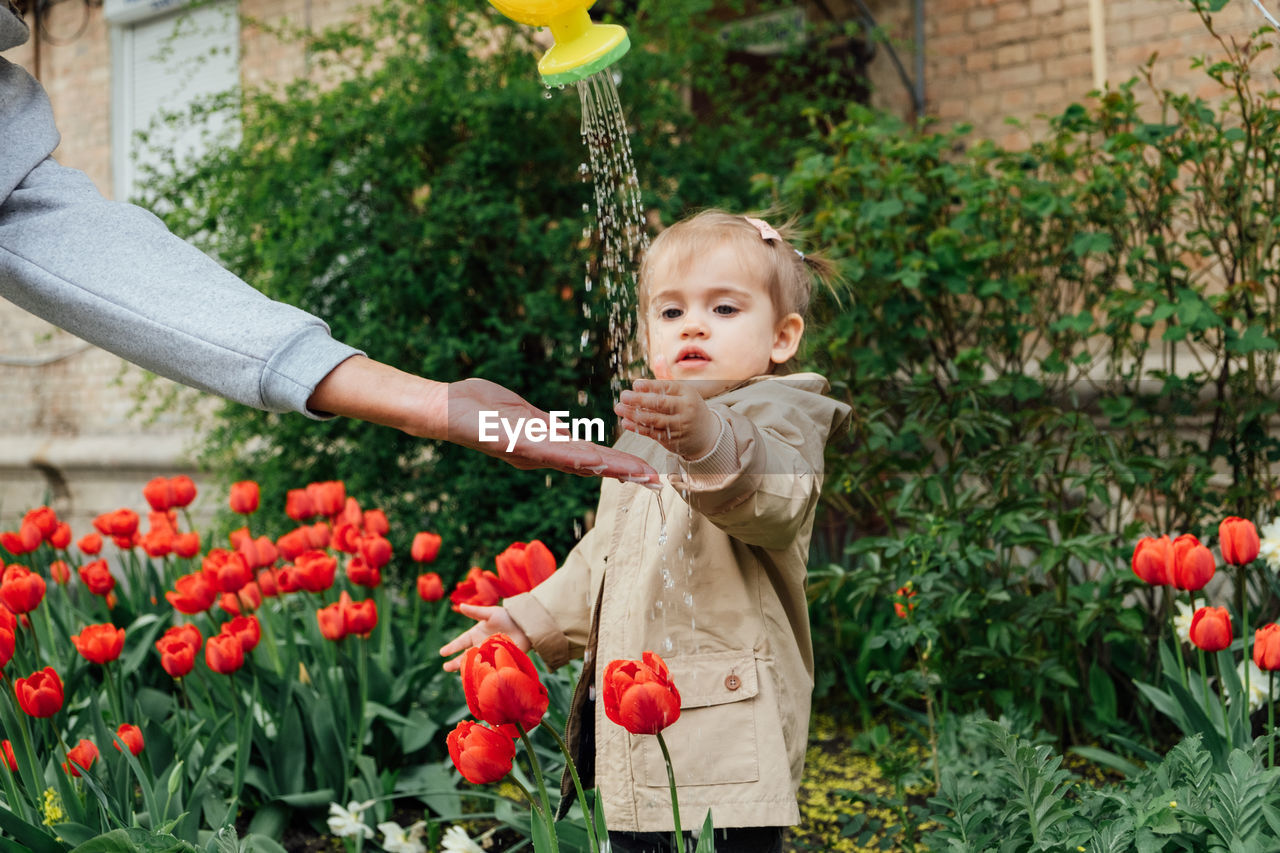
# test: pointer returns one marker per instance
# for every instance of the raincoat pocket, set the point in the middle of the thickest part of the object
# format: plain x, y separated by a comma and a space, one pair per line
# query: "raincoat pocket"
714, 741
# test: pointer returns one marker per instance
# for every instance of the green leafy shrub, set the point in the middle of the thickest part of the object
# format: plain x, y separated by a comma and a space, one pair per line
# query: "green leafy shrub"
1049, 351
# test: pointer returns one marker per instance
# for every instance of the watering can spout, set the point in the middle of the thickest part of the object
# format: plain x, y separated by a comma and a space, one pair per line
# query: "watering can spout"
581, 48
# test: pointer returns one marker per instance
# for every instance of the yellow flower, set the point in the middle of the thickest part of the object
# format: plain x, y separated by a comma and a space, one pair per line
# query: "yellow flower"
51, 808
1173, 804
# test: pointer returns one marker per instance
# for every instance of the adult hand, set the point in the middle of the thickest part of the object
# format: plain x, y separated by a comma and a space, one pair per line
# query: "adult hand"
467, 399
372, 391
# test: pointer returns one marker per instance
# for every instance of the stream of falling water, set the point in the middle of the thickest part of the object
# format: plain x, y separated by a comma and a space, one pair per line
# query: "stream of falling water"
620, 225
622, 238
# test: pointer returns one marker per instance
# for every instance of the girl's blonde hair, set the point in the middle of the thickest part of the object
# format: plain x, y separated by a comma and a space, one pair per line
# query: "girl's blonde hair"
789, 273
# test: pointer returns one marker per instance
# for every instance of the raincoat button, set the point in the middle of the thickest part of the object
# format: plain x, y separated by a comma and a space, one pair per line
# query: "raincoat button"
732, 682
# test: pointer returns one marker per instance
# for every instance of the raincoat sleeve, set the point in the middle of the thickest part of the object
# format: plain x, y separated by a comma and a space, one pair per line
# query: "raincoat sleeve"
556, 614
761, 481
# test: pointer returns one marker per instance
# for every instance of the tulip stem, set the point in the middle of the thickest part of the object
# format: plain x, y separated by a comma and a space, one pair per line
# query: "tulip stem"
1242, 578
1222, 697
1271, 718
678, 835
113, 692
577, 784
542, 785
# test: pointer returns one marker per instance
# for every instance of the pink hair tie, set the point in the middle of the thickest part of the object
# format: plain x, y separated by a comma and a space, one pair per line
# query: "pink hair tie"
766, 230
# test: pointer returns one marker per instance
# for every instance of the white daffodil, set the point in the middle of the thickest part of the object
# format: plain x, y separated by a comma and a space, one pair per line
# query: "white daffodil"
1182, 620
347, 822
456, 840
1257, 684
1269, 543
398, 839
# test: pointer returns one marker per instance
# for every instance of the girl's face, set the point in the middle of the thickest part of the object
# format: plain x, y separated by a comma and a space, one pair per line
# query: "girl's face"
713, 321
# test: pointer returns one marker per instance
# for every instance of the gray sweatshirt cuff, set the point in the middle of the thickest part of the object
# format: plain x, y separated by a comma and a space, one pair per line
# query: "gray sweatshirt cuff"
294, 371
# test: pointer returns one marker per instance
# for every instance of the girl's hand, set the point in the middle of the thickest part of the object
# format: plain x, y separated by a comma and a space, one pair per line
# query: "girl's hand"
489, 620
672, 413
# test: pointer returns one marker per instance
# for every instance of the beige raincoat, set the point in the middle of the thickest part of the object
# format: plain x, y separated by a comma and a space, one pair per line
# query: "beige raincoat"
723, 603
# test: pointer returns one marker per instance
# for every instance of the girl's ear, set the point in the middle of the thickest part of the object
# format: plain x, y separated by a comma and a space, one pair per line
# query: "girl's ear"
786, 338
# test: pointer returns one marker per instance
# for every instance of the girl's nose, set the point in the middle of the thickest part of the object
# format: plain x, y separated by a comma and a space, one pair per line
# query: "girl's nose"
693, 327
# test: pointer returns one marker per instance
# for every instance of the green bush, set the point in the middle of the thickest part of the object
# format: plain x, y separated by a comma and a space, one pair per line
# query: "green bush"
1049, 352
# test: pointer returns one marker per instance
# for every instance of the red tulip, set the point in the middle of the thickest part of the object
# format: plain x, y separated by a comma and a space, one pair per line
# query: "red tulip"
294, 543
359, 617
426, 546
267, 583
99, 643
121, 523
328, 498
333, 624
314, 570
182, 491
192, 594
903, 605
1153, 560
97, 577
223, 653
90, 544
9, 758
1211, 629
375, 522
21, 589
158, 542
44, 519
8, 620
186, 545
258, 553
523, 566
40, 694
376, 551
244, 497
346, 537
481, 754
61, 536
1193, 563
24, 540
234, 572
131, 735
81, 756
361, 573
639, 695
1238, 539
245, 629
298, 505
430, 587
177, 658
186, 633
502, 685
479, 588
60, 571
1266, 647
8, 642
159, 494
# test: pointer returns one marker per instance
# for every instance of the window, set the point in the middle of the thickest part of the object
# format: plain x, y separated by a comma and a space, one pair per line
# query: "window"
165, 56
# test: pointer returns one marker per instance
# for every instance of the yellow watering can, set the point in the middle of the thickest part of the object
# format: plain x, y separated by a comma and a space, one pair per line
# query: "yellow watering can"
582, 48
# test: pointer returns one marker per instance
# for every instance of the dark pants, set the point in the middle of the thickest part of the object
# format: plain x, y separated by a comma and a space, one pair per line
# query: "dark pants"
764, 839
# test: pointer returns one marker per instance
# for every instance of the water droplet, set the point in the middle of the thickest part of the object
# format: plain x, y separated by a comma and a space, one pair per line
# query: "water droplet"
547, 94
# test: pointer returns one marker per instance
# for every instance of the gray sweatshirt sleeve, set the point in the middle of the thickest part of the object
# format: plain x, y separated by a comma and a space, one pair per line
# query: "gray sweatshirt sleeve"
113, 274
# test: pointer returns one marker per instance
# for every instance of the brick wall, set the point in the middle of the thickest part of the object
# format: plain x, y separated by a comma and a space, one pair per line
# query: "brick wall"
988, 60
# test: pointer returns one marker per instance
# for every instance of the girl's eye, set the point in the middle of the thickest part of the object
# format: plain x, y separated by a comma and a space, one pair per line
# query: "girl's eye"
671, 313
726, 310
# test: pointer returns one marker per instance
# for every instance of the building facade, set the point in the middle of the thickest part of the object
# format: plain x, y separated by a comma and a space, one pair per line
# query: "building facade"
69, 429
